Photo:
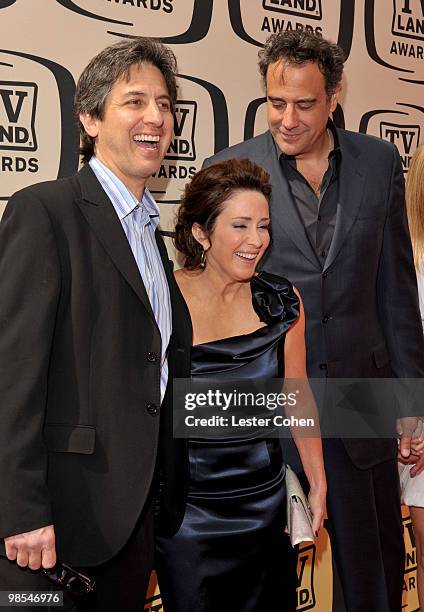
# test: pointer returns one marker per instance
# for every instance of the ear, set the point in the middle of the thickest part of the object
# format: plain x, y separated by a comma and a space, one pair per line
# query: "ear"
90, 123
335, 98
200, 236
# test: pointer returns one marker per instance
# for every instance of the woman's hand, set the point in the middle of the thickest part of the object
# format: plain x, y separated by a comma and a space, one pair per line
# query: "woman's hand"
317, 501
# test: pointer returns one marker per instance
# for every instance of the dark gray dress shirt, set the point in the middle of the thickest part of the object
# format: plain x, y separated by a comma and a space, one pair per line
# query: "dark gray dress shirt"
318, 212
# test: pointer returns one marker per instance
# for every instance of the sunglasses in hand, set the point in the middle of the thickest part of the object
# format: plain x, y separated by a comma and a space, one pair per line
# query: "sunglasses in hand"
75, 583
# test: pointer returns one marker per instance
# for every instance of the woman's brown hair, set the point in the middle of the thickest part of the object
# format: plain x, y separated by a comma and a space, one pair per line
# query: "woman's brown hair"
204, 197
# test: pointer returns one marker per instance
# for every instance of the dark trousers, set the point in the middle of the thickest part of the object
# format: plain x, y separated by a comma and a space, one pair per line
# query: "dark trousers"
365, 527
121, 582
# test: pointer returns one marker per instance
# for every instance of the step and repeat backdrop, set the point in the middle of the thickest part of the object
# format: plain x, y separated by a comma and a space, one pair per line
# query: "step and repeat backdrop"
44, 46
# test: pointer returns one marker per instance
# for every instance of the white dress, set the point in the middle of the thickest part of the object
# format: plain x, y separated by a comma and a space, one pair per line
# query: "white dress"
413, 488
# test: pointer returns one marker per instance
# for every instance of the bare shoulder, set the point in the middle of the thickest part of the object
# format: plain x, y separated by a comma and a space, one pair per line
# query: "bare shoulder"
179, 275
186, 280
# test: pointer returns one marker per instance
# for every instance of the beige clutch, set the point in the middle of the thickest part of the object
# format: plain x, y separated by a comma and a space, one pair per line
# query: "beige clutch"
299, 516
412, 489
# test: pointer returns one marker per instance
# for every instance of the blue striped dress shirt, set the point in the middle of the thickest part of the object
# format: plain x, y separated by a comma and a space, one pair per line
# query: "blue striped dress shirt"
140, 220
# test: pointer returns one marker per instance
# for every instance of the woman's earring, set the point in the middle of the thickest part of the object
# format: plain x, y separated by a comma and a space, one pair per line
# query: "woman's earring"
202, 263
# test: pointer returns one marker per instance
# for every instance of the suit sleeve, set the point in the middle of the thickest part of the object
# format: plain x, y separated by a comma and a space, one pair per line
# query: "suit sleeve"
398, 296
29, 293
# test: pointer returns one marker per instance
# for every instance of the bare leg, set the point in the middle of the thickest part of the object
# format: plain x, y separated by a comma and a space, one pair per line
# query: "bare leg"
417, 516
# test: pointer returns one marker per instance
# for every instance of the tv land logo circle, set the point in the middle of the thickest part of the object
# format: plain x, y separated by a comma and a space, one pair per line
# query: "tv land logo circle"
255, 20
200, 130
395, 38
38, 140
401, 126
172, 21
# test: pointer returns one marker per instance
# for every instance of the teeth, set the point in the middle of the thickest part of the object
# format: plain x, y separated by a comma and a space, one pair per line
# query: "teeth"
247, 255
146, 138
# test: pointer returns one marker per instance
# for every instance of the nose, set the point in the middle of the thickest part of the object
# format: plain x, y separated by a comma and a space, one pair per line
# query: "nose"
290, 117
255, 238
152, 114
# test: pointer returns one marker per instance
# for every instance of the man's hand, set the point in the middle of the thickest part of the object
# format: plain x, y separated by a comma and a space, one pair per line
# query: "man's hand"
33, 549
406, 428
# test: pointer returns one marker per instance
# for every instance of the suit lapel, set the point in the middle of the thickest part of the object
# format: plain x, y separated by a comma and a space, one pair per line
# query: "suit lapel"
103, 220
284, 213
351, 190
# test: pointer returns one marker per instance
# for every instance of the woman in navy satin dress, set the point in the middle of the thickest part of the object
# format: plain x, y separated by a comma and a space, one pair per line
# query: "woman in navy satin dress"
229, 554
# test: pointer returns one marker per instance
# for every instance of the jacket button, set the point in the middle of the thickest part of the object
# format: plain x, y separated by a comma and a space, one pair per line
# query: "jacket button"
325, 274
325, 319
152, 409
322, 366
152, 357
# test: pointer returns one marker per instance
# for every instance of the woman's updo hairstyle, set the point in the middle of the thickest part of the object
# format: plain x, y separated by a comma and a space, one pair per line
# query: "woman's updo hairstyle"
204, 197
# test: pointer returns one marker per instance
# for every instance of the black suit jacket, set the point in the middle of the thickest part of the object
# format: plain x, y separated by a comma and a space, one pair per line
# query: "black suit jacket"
79, 371
362, 316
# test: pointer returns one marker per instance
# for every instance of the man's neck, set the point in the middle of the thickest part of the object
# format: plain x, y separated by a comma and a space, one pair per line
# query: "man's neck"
136, 186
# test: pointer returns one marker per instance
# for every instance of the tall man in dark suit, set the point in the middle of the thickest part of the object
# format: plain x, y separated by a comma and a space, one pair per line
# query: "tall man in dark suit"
89, 342
340, 235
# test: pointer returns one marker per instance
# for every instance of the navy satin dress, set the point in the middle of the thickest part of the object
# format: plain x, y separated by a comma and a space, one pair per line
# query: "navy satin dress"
228, 554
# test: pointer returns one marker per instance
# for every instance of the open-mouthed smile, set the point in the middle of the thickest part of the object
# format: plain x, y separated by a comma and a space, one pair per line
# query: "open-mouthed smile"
246, 256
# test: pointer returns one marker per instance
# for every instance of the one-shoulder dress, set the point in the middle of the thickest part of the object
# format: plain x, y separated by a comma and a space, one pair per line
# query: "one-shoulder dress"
229, 553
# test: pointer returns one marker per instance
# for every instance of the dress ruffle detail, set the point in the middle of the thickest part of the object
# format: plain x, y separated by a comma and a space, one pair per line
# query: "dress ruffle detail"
274, 299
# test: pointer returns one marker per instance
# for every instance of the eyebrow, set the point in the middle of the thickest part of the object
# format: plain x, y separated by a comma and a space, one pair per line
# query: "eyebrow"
144, 94
299, 101
249, 219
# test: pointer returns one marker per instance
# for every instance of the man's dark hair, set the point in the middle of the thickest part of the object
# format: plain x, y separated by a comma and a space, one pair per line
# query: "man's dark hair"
114, 62
300, 46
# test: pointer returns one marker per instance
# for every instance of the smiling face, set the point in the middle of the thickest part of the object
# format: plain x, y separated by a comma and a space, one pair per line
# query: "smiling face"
134, 134
298, 107
240, 236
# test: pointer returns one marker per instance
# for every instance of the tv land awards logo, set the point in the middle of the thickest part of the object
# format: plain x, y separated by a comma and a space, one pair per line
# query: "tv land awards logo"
172, 21
405, 137
183, 146
298, 8
395, 39
409, 577
408, 19
402, 127
18, 102
305, 573
38, 140
200, 130
255, 23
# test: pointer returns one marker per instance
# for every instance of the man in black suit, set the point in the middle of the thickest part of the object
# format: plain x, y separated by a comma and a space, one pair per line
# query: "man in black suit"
91, 331
339, 233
